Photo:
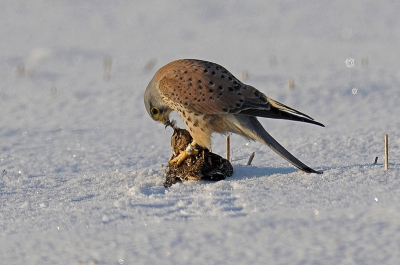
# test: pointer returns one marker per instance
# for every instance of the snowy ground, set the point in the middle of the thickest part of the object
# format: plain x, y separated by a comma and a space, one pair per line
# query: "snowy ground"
80, 160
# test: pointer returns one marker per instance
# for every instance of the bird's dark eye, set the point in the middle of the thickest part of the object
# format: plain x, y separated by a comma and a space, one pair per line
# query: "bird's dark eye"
155, 112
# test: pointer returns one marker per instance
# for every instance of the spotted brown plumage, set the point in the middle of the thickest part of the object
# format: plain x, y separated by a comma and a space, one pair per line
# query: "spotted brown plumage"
210, 99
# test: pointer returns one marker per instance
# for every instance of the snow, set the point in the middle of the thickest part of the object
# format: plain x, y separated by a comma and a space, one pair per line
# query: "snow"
81, 175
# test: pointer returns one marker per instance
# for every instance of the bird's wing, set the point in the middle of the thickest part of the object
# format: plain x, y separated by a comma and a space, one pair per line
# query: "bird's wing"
275, 109
208, 88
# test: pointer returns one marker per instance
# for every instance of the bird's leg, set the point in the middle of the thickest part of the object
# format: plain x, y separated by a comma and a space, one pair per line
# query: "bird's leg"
190, 150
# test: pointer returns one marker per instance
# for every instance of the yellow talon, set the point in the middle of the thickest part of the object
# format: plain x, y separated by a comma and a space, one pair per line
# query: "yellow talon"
180, 158
184, 154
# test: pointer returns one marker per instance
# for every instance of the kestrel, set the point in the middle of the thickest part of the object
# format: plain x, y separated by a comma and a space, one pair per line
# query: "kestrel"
210, 99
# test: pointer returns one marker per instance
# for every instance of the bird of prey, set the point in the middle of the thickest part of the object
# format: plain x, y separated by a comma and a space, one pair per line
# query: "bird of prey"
210, 99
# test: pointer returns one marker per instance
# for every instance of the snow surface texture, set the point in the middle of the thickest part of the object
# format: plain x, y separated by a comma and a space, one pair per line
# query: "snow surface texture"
81, 177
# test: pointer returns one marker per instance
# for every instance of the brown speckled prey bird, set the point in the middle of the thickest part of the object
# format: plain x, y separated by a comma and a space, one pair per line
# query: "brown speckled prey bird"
210, 99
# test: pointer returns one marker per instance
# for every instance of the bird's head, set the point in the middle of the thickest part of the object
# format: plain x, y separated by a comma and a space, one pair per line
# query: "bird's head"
155, 106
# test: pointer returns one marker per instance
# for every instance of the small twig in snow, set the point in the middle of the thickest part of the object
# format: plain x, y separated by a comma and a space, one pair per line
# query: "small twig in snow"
250, 159
228, 148
386, 152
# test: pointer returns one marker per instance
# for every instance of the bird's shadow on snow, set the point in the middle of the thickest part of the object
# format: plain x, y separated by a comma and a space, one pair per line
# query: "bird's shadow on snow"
245, 172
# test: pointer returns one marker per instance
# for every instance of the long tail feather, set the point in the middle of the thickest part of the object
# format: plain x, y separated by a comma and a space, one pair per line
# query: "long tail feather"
250, 127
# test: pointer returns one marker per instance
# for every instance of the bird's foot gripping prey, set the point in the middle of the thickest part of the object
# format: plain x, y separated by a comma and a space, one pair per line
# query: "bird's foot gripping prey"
204, 165
210, 99
190, 150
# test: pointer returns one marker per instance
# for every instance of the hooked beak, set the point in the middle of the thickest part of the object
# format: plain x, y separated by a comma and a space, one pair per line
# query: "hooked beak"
164, 119
167, 123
